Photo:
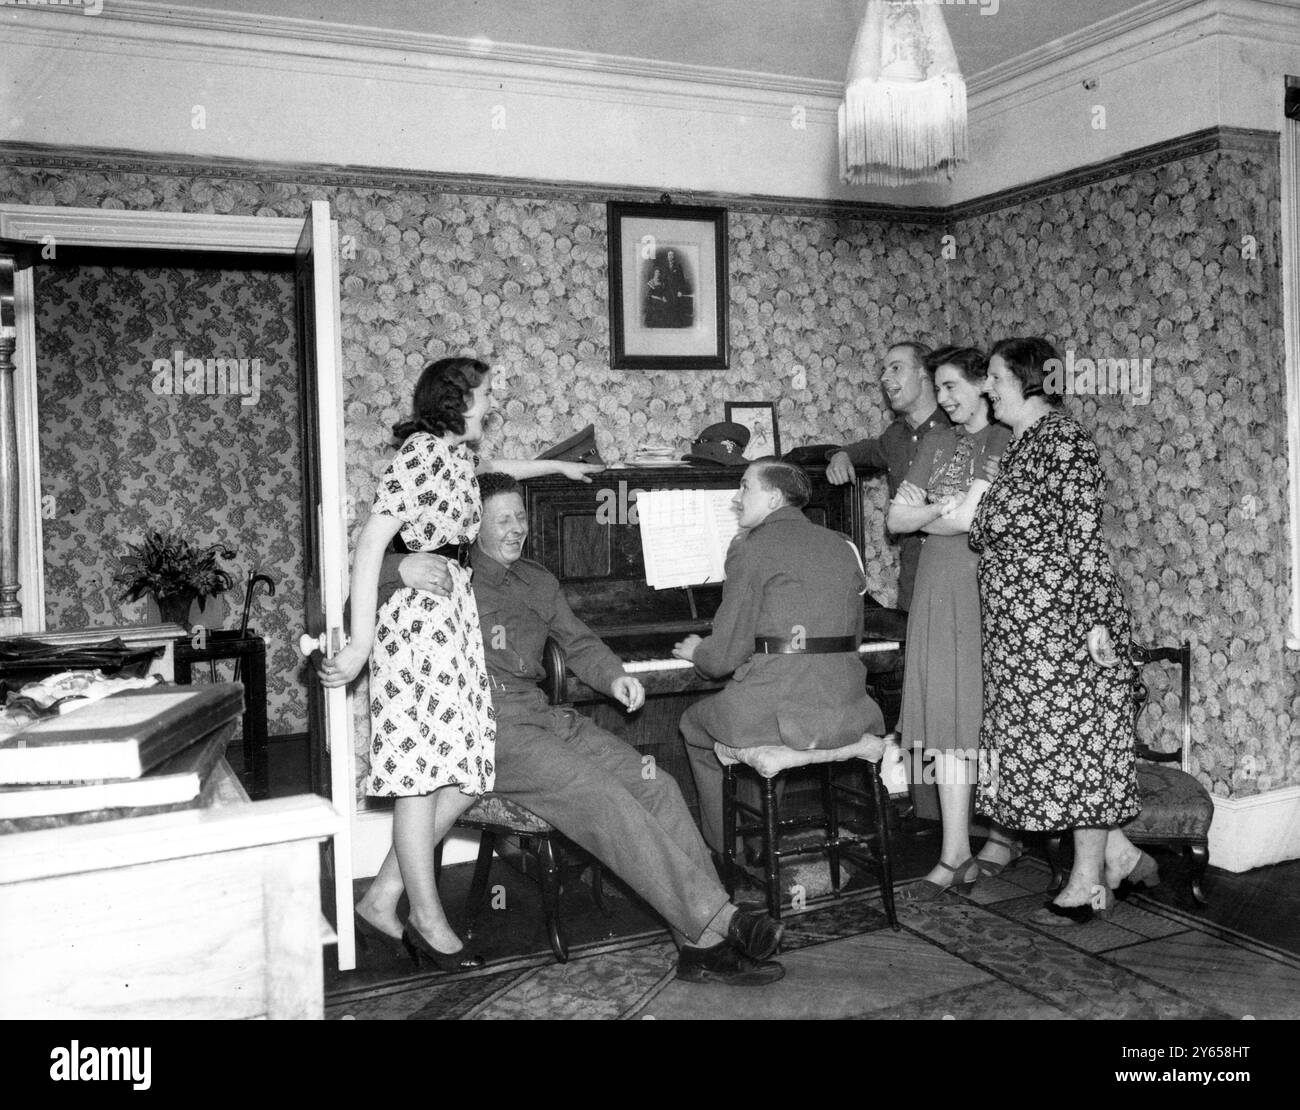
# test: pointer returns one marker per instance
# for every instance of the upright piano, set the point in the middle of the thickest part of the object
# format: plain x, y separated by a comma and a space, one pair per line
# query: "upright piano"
588, 537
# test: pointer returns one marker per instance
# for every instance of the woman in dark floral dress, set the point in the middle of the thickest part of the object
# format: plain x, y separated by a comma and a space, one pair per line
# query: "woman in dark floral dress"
1057, 746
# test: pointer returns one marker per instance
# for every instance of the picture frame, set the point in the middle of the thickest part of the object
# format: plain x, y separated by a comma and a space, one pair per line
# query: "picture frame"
667, 287
760, 418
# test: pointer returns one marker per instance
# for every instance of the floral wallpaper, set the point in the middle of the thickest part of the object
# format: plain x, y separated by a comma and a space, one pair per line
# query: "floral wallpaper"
1178, 264
123, 452
1142, 264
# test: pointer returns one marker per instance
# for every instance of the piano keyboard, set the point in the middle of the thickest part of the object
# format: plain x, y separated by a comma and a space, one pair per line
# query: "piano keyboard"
641, 666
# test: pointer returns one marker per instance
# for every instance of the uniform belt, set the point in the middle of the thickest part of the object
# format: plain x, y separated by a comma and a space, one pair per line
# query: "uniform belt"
455, 552
804, 645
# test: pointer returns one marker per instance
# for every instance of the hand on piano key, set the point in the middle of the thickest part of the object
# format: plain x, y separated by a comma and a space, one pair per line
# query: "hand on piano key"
685, 649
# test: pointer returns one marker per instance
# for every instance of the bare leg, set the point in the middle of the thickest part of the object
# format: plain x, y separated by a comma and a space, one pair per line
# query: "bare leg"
419, 824
379, 903
1086, 874
1002, 845
955, 777
1122, 855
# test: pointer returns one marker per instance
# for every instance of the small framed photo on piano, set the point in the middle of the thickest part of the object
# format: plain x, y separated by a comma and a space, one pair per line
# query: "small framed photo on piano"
760, 418
667, 287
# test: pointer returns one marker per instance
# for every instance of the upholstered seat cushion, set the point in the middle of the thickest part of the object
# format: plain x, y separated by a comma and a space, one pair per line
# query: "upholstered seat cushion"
498, 811
1173, 803
770, 760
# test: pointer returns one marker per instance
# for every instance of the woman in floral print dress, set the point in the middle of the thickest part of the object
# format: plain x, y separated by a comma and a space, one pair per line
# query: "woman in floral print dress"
432, 730
1057, 745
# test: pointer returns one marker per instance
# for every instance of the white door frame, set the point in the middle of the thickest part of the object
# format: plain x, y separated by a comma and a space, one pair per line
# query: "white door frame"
53, 227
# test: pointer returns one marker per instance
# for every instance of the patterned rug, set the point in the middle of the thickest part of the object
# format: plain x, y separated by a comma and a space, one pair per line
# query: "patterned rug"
954, 958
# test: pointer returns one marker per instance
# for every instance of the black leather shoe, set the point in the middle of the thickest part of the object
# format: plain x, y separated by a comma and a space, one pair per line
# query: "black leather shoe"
755, 934
723, 964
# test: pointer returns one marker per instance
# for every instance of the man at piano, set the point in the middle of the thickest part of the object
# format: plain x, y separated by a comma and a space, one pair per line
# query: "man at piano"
787, 632
585, 781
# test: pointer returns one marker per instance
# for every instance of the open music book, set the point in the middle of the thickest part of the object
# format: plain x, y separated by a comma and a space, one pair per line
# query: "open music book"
685, 534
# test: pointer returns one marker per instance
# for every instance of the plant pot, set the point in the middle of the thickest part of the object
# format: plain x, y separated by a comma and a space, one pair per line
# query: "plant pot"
176, 608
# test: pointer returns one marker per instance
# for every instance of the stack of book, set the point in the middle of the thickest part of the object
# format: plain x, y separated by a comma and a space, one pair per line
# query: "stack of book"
135, 750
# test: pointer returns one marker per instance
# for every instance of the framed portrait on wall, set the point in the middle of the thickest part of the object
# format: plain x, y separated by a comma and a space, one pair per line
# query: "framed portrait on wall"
760, 418
667, 287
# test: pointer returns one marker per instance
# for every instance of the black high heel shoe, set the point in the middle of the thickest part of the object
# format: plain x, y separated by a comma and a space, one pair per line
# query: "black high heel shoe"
365, 932
1054, 916
1143, 873
419, 947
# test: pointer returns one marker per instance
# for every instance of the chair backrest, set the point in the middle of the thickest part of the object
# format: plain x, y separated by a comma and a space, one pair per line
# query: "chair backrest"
553, 664
1182, 655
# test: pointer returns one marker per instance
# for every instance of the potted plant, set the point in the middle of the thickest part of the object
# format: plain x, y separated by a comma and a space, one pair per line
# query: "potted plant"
175, 573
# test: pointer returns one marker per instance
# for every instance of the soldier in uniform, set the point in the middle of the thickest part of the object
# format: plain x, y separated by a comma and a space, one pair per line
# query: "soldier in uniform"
787, 632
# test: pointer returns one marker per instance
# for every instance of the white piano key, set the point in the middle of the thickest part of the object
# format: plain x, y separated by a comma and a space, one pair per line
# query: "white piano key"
640, 666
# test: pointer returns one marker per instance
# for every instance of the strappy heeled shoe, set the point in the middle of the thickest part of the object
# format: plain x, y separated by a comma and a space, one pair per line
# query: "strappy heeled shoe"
366, 933
1053, 916
419, 948
927, 890
1143, 873
991, 870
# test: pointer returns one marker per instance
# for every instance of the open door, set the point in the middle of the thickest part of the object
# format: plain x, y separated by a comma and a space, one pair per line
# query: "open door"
327, 540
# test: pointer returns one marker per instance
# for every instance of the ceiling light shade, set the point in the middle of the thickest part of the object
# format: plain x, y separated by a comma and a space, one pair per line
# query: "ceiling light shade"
903, 119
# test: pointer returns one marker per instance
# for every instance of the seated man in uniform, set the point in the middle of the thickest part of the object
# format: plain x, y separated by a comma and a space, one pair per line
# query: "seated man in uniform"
586, 782
787, 632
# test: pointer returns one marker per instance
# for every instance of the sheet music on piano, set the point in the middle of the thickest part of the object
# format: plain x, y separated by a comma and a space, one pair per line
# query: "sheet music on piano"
685, 534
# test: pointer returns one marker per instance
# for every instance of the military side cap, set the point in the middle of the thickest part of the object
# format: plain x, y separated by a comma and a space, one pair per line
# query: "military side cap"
720, 445
580, 447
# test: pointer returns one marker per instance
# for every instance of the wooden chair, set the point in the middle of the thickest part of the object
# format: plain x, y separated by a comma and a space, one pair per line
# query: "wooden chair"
1176, 809
494, 815
770, 763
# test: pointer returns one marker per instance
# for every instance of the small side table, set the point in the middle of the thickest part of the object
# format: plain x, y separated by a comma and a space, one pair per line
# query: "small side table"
250, 648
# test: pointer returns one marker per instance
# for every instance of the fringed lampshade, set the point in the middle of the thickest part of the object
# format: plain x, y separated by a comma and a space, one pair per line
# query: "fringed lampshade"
903, 119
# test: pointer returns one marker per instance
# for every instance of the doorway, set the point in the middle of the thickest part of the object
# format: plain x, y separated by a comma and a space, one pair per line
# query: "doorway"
312, 244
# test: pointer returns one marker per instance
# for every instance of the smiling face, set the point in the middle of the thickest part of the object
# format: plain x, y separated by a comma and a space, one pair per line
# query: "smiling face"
905, 380
961, 399
504, 528
753, 502
1004, 390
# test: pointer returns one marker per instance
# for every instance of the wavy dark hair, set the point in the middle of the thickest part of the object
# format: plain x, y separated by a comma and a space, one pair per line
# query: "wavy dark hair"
971, 361
1027, 357
494, 483
442, 397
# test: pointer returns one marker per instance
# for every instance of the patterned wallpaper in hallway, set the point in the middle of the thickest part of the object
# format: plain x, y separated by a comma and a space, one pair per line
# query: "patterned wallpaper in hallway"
122, 454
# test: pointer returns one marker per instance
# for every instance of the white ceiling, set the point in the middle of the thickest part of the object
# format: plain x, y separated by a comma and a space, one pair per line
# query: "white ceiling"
793, 38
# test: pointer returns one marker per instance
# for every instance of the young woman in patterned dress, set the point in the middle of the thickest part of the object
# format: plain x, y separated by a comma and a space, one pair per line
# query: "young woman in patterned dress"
1057, 746
432, 730
943, 697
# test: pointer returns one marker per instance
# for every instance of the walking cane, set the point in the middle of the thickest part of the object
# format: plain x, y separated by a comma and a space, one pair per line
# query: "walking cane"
253, 580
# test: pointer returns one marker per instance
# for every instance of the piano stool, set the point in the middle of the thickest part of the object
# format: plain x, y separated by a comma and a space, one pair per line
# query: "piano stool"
541, 843
495, 815
770, 763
